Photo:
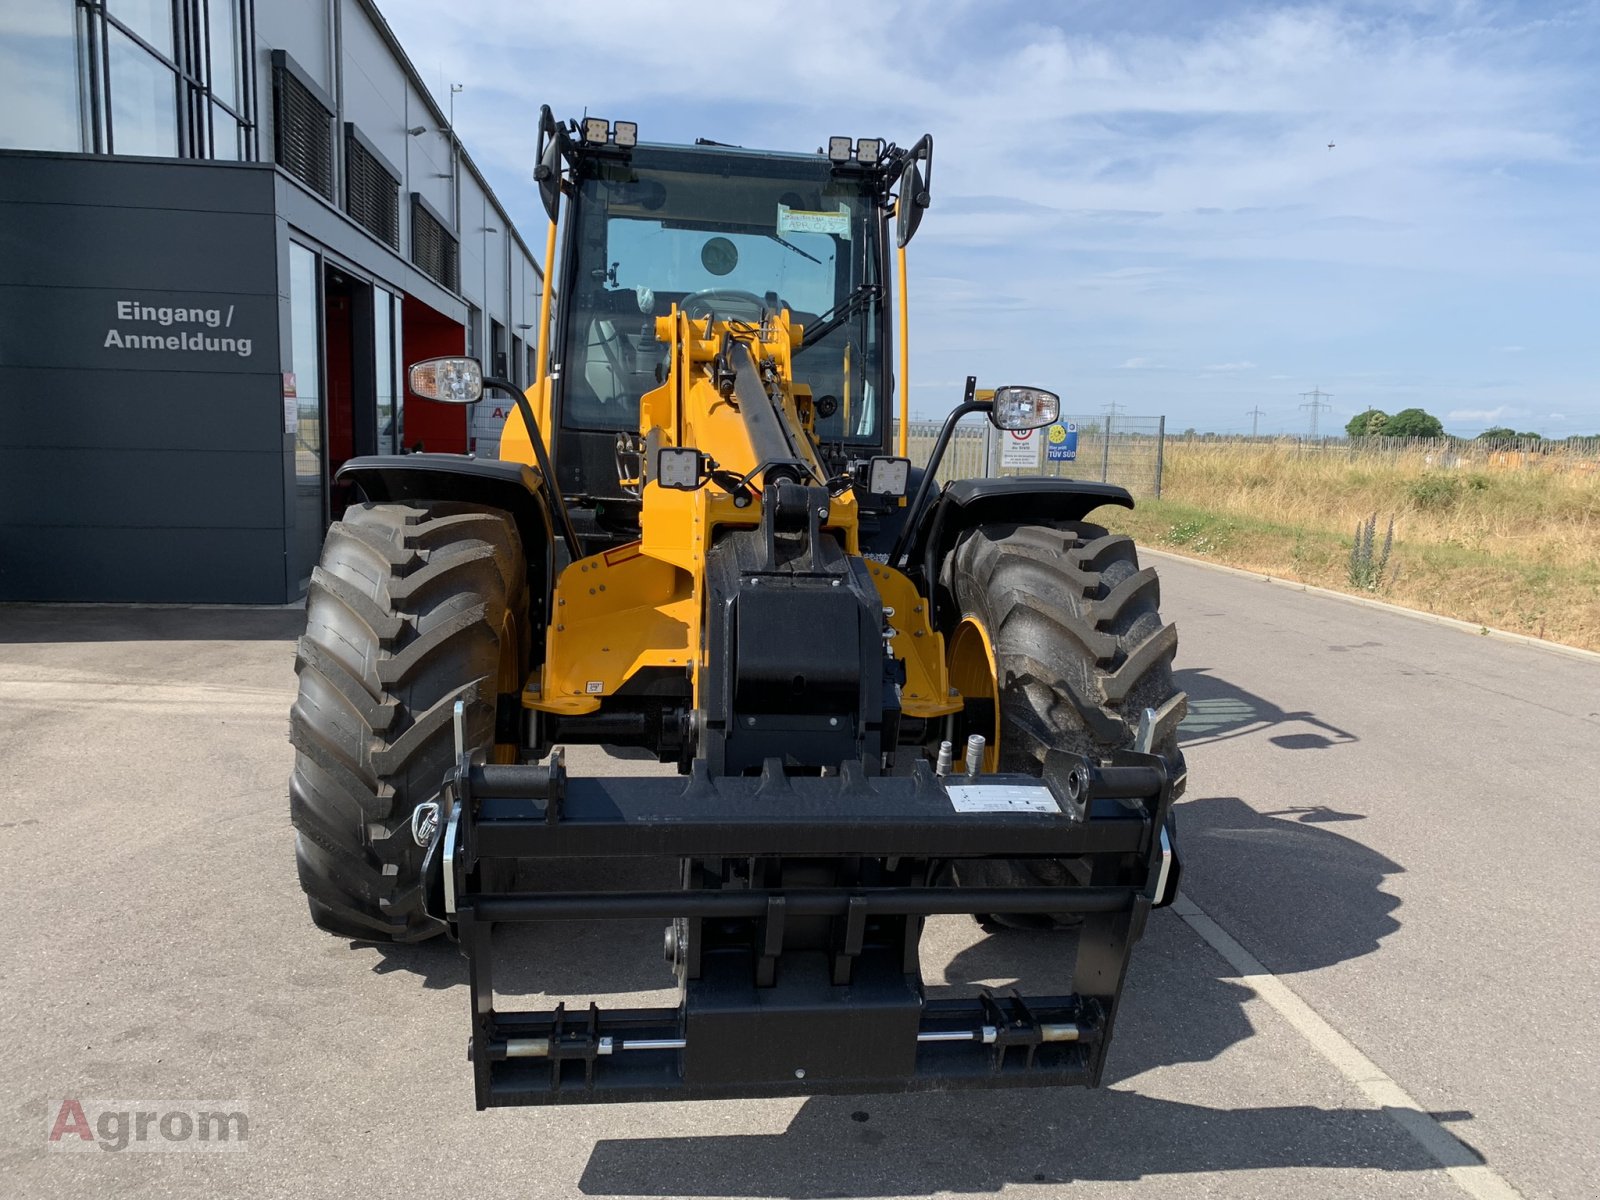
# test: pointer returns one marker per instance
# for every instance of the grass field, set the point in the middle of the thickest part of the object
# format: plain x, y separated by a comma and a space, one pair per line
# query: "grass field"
1511, 546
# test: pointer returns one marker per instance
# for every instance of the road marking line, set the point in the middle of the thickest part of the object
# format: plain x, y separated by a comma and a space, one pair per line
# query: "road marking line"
1471, 1175
1472, 627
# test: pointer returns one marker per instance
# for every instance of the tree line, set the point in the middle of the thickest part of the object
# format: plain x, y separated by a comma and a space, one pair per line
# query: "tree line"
1417, 423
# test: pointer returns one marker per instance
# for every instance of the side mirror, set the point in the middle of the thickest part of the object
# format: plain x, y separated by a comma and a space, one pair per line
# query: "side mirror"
447, 380
548, 173
1024, 408
914, 191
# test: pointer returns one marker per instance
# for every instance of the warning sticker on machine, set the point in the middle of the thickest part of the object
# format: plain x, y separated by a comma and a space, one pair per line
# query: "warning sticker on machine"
1001, 797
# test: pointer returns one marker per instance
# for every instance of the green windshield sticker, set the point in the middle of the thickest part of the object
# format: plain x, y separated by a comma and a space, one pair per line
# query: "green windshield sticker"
799, 220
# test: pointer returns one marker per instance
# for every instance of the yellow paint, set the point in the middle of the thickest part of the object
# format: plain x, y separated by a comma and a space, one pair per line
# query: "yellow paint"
903, 384
642, 605
542, 359
515, 445
974, 674
927, 690
847, 426
615, 614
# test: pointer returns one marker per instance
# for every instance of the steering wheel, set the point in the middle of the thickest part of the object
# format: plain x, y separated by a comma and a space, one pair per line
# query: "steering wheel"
728, 304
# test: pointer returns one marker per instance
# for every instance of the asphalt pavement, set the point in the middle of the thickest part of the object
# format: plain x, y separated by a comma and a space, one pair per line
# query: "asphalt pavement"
1389, 815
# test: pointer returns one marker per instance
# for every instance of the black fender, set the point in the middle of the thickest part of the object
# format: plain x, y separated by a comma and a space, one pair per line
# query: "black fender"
1013, 499
513, 487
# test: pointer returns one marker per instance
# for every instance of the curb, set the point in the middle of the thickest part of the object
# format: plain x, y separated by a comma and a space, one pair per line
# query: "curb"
140, 605
1502, 635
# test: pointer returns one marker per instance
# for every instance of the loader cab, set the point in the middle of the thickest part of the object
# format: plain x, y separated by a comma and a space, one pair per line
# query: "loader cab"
724, 233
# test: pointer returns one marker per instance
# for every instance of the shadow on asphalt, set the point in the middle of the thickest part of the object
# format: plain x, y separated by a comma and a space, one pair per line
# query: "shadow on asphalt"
67, 623
1182, 1005
1219, 710
1327, 899
882, 1146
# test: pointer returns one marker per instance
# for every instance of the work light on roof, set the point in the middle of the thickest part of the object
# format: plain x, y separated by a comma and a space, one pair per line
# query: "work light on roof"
869, 150
839, 149
627, 133
596, 130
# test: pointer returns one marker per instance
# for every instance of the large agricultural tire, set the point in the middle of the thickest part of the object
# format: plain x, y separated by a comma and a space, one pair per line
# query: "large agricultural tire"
1070, 628
413, 607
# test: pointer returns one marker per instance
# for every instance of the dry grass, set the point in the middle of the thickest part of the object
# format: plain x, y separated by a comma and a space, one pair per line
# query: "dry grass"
1511, 547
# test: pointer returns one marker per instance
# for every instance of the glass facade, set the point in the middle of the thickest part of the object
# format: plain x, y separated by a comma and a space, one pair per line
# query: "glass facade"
162, 78
305, 333
39, 47
144, 99
387, 370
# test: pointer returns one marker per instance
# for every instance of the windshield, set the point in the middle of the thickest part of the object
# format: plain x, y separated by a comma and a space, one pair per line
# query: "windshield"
726, 235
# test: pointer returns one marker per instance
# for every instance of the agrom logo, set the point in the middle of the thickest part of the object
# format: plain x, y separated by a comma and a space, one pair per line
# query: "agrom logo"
115, 1126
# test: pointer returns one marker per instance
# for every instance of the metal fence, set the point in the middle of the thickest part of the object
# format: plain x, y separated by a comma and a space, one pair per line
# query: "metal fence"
1578, 454
1131, 453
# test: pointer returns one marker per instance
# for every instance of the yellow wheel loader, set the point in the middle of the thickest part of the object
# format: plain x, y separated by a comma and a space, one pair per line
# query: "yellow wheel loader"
885, 699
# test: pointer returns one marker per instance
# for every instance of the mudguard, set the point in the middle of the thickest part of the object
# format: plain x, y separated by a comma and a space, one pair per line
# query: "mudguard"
514, 487
1021, 499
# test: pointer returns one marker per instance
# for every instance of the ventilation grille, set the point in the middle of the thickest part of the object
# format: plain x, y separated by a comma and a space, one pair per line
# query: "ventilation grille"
303, 130
433, 249
371, 193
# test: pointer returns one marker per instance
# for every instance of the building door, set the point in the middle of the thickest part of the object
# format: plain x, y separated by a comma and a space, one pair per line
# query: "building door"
352, 392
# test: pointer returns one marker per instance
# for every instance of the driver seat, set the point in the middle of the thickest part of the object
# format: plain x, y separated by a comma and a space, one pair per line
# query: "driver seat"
603, 368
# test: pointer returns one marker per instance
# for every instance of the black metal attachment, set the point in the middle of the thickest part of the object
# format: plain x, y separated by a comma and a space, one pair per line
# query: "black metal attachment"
795, 932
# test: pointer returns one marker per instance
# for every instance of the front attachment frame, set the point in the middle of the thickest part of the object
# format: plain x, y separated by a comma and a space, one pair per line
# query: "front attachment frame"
795, 932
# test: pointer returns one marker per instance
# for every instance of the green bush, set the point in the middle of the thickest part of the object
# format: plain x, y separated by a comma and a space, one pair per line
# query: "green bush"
1434, 491
1413, 423
1367, 424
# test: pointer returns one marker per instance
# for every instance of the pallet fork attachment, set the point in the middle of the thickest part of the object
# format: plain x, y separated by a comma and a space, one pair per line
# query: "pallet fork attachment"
796, 980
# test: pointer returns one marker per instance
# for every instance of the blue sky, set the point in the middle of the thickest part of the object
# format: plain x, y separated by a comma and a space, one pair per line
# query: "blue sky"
1134, 201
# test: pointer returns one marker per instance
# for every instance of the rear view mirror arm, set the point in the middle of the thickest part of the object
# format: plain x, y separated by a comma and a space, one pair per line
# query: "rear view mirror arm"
925, 485
557, 501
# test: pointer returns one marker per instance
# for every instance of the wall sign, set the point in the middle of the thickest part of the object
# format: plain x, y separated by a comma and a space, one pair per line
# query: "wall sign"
291, 403
1020, 448
1061, 442
141, 325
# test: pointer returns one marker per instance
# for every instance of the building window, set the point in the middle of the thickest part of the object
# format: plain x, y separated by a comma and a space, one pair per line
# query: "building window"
474, 332
302, 126
385, 349
517, 358
39, 46
166, 78
304, 385
497, 350
433, 246
371, 189
144, 99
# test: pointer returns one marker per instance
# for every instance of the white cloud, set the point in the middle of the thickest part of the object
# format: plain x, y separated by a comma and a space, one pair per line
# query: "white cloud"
1182, 194
1486, 416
